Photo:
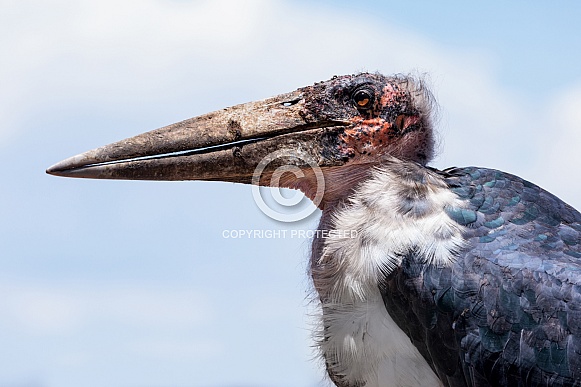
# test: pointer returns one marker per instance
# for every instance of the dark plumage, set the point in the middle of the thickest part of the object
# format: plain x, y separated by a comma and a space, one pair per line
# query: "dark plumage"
508, 312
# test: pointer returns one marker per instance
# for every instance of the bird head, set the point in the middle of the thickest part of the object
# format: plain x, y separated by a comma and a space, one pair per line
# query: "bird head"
341, 128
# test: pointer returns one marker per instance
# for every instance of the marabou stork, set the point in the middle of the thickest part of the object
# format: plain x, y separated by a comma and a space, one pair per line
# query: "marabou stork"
460, 277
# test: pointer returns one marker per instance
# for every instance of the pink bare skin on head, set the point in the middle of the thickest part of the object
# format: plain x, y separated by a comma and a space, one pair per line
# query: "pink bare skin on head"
387, 123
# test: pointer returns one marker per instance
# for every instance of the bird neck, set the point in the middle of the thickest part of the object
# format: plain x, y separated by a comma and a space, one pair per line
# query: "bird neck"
398, 209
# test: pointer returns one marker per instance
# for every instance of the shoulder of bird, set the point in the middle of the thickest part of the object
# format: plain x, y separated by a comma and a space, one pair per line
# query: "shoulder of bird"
508, 311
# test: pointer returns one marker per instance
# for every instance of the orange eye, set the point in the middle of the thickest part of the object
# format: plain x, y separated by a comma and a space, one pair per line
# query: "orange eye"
363, 99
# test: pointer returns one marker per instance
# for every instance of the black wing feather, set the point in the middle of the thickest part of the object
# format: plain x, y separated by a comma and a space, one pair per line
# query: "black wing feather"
508, 312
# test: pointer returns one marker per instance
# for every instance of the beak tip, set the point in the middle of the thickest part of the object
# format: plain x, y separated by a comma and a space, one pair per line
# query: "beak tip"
58, 169
54, 170
63, 168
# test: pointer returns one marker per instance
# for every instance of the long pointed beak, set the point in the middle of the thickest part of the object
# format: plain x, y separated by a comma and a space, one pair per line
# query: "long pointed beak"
225, 145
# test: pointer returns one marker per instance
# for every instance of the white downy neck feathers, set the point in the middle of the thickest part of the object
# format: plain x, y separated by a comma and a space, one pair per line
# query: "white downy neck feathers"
399, 209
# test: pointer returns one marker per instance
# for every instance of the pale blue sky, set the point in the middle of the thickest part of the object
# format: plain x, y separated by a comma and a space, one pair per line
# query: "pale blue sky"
109, 283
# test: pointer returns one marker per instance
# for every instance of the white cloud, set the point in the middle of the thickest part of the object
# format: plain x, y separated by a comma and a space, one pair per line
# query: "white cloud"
560, 152
40, 311
50, 309
165, 348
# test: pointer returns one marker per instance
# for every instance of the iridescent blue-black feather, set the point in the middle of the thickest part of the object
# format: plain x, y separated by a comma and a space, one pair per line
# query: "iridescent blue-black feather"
508, 311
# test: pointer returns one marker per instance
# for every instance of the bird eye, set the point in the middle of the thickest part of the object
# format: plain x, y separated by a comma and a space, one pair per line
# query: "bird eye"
363, 99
